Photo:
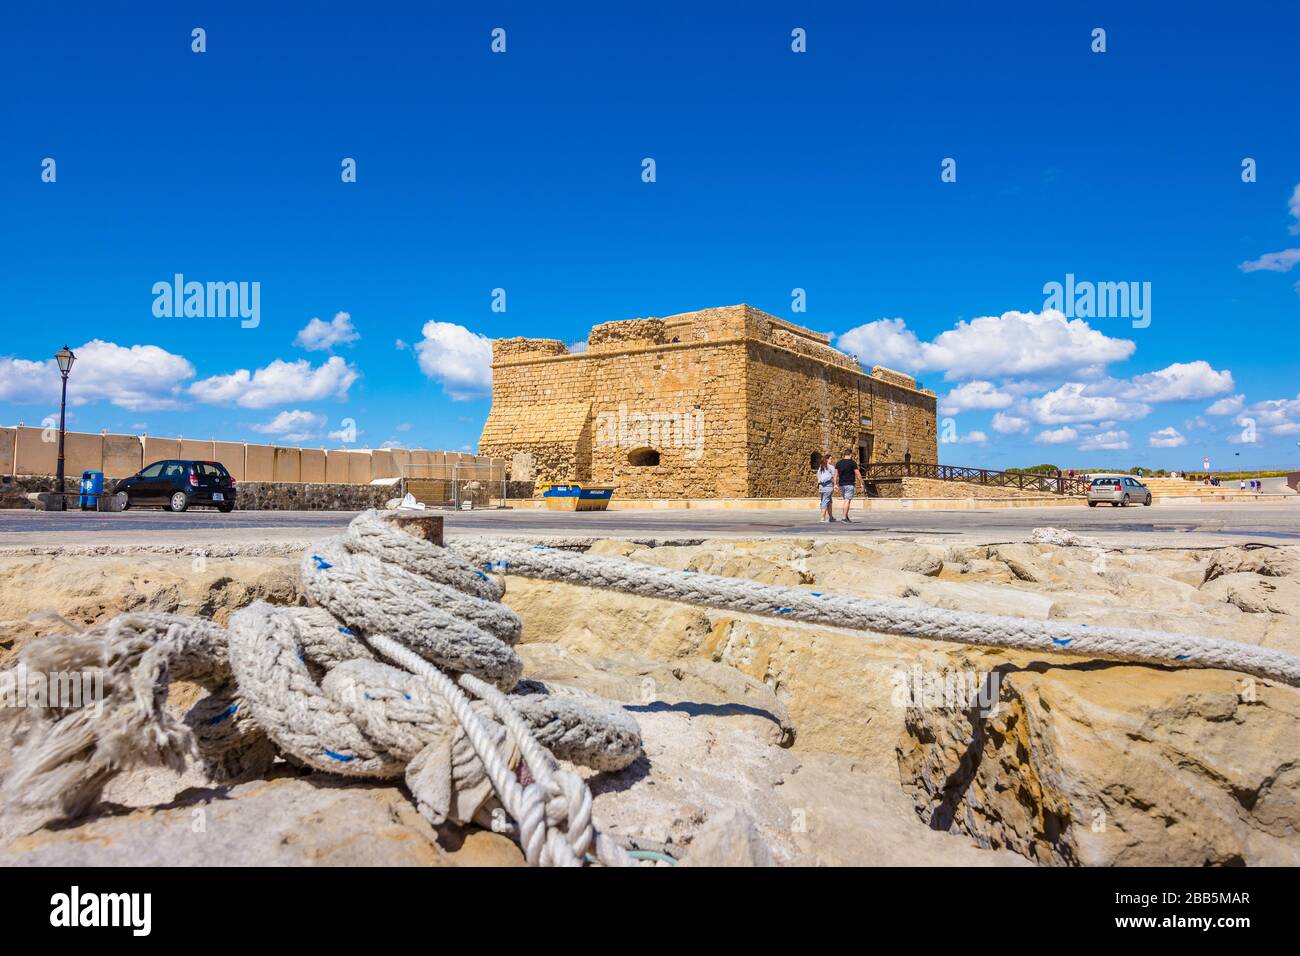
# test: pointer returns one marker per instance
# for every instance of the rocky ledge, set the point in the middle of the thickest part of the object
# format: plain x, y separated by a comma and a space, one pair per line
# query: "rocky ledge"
786, 743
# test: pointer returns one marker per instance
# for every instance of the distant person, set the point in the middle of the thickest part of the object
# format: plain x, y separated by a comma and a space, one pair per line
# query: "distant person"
826, 486
1242, 485
847, 477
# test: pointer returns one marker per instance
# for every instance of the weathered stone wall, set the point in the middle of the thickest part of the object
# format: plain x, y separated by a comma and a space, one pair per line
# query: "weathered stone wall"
250, 496
612, 336
7, 436
800, 405
732, 401
584, 416
298, 496
29, 451
935, 488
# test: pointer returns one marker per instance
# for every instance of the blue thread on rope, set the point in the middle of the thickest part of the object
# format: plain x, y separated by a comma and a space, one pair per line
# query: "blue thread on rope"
815, 593
344, 630
785, 610
341, 758
228, 712
1183, 657
321, 563
1062, 642
482, 576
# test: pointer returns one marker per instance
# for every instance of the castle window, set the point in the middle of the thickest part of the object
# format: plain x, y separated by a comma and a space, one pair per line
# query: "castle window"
643, 458
815, 460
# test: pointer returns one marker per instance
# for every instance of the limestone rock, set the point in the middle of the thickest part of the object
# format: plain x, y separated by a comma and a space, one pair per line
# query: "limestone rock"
1270, 562
699, 689
1110, 766
1256, 594
313, 820
729, 839
93, 588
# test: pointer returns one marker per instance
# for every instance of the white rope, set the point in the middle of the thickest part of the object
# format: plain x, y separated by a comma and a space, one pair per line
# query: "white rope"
881, 617
309, 683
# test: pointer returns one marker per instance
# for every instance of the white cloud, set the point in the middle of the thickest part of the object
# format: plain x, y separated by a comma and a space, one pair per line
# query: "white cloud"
1278, 416
973, 438
1105, 441
1009, 424
1166, 438
318, 336
1293, 205
1227, 406
1178, 382
886, 342
1071, 403
456, 357
24, 382
295, 425
278, 383
1272, 262
1056, 436
973, 396
137, 378
1014, 343
404, 427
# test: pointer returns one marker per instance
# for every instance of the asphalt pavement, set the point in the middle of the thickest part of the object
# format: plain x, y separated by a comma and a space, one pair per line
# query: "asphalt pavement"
1191, 525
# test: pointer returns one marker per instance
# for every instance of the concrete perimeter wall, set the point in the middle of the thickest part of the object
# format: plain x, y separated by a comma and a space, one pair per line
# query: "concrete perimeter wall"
35, 451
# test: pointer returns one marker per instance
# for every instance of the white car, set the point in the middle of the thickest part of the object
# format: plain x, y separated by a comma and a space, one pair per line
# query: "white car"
1118, 490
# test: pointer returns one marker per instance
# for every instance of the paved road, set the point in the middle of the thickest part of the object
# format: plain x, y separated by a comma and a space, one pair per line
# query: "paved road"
1160, 525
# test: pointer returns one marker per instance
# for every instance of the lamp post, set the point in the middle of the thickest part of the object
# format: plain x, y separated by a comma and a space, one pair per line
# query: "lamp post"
65, 357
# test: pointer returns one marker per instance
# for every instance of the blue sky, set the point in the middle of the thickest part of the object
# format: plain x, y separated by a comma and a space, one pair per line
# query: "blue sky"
774, 171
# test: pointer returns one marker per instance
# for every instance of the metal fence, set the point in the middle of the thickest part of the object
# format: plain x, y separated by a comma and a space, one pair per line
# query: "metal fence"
471, 484
1058, 484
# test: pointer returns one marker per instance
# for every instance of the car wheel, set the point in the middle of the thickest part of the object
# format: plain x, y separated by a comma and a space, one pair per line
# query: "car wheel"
1147, 503
1114, 504
179, 502
1125, 502
1092, 504
126, 502
225, 509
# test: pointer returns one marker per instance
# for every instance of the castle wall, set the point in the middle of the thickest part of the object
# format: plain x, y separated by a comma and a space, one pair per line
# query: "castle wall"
732, 399
582, 417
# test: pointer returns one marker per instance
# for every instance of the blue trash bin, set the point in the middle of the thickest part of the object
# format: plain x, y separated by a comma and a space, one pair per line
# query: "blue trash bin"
92, 486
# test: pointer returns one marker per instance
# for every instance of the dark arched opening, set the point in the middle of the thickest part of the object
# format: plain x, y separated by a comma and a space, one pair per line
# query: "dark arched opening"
643, 458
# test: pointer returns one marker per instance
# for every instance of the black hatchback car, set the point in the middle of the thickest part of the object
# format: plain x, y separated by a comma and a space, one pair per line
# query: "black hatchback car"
177, 484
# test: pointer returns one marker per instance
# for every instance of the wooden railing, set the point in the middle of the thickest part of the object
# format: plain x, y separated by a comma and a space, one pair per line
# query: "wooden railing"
1048, 484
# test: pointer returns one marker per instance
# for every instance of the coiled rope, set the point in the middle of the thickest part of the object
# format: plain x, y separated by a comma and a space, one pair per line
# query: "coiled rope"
319, 685
881, 617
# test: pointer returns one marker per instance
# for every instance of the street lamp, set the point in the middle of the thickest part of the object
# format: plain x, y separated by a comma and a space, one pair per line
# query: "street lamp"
65, 357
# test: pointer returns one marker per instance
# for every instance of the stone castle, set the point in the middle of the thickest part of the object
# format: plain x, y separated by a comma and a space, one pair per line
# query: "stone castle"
722, 403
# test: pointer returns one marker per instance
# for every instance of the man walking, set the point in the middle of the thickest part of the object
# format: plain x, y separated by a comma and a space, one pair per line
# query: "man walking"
847, 477
826, 485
